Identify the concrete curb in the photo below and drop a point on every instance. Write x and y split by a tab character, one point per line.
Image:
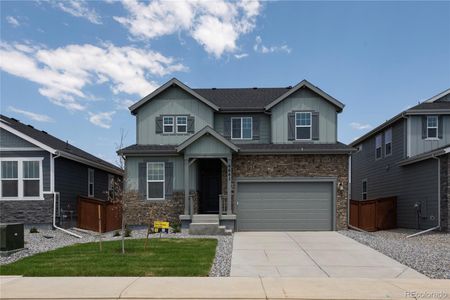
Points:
220	288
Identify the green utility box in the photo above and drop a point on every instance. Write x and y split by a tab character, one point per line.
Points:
11	237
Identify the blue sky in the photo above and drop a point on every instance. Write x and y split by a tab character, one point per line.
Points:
71	68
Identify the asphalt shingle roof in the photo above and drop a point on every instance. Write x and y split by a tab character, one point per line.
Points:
53	142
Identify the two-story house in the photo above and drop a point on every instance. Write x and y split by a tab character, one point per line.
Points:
408	157
247	158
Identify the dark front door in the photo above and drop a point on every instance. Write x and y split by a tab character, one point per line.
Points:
210	185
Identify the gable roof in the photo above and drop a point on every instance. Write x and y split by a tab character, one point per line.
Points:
305	83
54	145
434	105
206	130
168	84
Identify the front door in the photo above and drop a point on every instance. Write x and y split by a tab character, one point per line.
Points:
210	178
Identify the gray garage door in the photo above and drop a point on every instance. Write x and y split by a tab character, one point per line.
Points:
279	206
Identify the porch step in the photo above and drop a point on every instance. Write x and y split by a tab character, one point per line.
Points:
205	219
204	229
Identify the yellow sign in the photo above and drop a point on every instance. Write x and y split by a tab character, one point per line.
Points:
161	225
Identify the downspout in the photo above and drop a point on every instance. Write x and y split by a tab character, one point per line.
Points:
54	199
439	203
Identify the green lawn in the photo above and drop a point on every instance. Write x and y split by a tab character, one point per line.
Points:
163	257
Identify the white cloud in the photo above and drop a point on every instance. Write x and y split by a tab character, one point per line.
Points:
102	119
12	21
260	48
31	115
241	55
124	104
63	73
359	126
216	25
80	9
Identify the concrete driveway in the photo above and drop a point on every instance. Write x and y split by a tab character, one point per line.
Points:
310	254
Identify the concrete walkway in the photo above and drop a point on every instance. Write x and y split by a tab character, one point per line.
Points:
220	288
311	254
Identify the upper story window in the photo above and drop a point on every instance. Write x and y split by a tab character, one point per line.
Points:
168	124
432	127
21	178
156	181
303	126
182	124
388	142
364	190
378	150
241	128
91	175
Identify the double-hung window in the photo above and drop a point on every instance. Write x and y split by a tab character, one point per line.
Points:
155	181
303	126
91	176
241	128
181	124
432	127
388	142
168	124
21	178
378	149
364	190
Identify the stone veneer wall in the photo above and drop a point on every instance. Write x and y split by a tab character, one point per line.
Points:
27	211
335	165
139	211
445	192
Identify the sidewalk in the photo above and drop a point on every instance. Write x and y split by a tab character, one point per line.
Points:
219	288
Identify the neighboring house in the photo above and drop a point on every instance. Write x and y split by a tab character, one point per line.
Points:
257	158
39	170
408	157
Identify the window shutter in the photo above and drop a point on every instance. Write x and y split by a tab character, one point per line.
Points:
227	127
169	178
424	127
142	180
315	125
158	125
440	127
191	125
291	126
255	121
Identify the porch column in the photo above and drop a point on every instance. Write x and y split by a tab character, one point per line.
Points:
229	172
186	186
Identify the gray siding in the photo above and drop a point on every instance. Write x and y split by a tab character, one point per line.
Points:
9	140
207	145
264	126
173	101
132	171
411	184
417	145
306	100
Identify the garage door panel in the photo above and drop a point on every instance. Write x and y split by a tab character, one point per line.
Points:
285	206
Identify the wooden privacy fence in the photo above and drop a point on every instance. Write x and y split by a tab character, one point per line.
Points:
375	214
98	215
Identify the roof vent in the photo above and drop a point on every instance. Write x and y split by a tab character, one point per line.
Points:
67	144
30	126
255	88
15	120
43	131
214	89
289	87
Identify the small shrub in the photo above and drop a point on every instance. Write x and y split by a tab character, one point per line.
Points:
176	228
127	232
34	230
116	233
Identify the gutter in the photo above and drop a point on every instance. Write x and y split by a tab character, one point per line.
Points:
438	202
54	199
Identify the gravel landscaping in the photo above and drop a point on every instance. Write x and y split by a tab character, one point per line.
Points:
428	253
47	240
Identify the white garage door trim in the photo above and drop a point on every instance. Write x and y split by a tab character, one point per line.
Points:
332	180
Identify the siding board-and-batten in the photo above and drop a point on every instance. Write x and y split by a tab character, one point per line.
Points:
417	144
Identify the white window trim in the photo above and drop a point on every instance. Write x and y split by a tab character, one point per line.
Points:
385	143
242	128
163	180
433	127
301	126
381	146
20	178
176	118
93	182
362	190
173	124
